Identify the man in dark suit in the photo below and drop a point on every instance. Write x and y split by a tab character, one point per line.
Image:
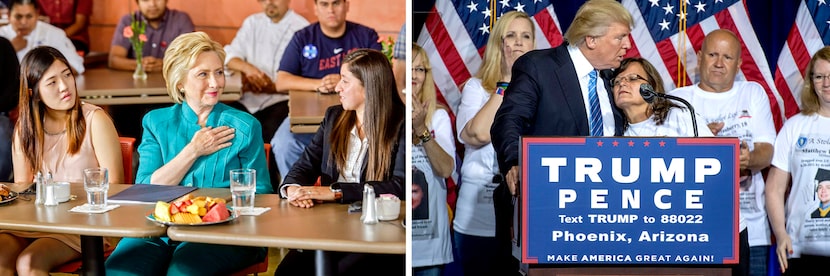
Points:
560	92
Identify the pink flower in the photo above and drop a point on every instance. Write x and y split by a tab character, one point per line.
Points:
128	32
142	37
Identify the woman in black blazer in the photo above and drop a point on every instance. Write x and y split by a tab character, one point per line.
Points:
361	141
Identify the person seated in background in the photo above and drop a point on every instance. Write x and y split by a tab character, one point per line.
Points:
360	142
195	142
312	63
256	52
25	33
55	133
162	26
72	16
9	94
661	117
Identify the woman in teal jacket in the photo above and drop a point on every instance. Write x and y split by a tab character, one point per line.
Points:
193	143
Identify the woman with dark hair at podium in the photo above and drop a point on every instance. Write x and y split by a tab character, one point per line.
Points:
661	117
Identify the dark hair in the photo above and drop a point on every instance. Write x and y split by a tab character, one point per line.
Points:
382	117
660	107
22	3
29	126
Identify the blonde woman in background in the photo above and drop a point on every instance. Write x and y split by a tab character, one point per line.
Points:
475	218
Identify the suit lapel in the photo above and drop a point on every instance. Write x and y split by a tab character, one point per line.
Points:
568	82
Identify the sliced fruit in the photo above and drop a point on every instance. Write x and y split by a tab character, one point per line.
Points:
186	218
161	212
199	202
193	209
219	212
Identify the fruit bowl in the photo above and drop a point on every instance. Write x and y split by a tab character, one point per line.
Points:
188	210
152	218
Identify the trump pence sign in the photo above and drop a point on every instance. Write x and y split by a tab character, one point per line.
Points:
626	200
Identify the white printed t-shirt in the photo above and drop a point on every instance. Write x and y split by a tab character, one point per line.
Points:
745	112
431	242
474	213
802	147
678	123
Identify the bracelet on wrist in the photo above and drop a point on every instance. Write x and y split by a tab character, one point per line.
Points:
501	87
426	136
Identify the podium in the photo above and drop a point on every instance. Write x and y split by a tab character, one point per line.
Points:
629	205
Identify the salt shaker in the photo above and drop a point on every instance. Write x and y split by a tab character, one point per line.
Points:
370	214
39	189
50	197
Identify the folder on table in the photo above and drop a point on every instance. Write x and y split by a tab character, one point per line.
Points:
149	193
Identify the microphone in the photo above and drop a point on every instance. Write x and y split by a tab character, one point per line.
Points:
647	91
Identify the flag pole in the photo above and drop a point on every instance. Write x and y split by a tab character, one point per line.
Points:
681	42
492	14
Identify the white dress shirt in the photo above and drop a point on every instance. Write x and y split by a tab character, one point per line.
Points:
261	43
47	35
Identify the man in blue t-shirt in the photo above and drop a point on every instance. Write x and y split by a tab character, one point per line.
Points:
311	62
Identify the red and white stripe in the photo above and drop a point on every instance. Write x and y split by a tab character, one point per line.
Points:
803	41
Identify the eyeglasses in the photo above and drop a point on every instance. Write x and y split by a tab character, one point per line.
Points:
419	70
820	78
627	78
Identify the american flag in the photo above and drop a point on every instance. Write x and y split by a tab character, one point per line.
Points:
456	31
656	37
810	32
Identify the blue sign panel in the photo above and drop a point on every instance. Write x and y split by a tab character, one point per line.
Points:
627	200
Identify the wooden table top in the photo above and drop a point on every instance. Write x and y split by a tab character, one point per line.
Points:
125	221
326	226
104	86
306	109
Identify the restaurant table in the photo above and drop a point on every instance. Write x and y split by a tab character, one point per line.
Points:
322	228
104	86
125	221
306	109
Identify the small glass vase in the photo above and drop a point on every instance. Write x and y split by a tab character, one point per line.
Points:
139	73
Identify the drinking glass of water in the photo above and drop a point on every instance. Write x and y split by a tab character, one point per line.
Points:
96	184
243	186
